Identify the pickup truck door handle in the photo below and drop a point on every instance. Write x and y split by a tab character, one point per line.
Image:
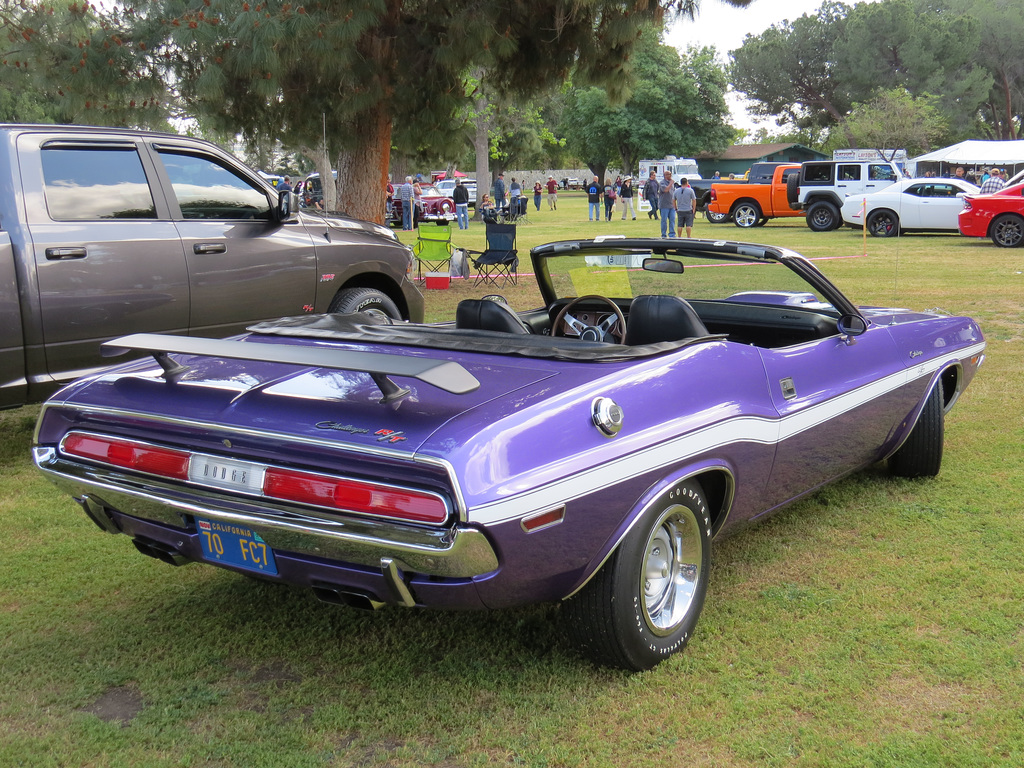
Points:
209	248
58	254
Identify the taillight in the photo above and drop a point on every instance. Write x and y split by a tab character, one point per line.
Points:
353	496
714	194
327	491
128	454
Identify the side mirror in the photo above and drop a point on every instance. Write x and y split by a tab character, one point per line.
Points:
287	206
851	326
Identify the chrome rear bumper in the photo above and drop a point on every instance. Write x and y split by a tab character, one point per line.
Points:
455	552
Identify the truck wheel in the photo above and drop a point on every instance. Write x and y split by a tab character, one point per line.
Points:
716	218
1008	230
643	605
792	188
746	214
366	300
883	223
823	216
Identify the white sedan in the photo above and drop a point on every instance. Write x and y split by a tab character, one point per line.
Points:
910	205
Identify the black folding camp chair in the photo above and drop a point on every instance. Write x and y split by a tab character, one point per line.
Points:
500	260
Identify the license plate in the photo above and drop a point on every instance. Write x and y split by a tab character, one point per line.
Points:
236	545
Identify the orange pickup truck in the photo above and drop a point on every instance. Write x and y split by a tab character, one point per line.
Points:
752	204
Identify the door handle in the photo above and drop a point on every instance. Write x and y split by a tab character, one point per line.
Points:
58	254
209	248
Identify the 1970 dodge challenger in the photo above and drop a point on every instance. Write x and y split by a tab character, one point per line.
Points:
586	451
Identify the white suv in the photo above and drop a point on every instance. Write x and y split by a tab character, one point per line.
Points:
822	187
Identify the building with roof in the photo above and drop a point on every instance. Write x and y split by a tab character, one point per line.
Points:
738	158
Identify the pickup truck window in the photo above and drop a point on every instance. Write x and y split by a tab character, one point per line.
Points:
93	183
206	190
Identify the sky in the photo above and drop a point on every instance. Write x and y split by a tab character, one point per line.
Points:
724	27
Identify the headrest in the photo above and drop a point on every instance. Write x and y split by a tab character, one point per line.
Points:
662	318
487	315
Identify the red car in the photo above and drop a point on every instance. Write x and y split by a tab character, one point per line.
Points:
437	206
999	216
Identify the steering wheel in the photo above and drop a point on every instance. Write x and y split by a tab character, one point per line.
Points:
605	331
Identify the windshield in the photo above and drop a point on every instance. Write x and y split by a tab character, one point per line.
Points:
622	275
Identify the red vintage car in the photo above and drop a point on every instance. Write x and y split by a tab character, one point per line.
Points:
999	216
437	206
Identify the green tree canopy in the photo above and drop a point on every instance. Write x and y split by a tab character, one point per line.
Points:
906	44
1000	30
344	79
379	72
789	70
894	119
808	73
69	64
676	106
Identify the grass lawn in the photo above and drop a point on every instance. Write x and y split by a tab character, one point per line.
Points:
879	622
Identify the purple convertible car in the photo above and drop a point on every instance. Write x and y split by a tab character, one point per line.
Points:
587	451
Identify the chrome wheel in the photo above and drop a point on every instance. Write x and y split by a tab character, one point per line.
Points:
746	215
643	604
672	569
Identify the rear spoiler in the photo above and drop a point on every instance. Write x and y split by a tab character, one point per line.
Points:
443	374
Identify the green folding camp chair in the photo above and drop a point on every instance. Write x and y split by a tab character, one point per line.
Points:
433	249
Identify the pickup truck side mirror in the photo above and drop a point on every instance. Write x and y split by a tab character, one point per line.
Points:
287	206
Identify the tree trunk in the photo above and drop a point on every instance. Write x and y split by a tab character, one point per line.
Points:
322	160
363	168
598	170
482	147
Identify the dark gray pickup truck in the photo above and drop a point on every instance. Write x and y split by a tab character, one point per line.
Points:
107	231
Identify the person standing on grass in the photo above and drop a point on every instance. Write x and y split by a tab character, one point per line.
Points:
460	196
651	195
626	196
538	190
417	198
685	200
594	200
666	205
609	199
499	191
405	194
552	194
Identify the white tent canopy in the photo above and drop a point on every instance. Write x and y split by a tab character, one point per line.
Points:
975	154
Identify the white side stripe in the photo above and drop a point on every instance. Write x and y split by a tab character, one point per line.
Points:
741	429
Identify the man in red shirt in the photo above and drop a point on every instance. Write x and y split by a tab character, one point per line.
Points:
552	194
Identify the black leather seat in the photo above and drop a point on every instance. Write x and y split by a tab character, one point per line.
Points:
662	318
487	315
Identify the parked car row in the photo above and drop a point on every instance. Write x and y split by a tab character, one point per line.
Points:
873	195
